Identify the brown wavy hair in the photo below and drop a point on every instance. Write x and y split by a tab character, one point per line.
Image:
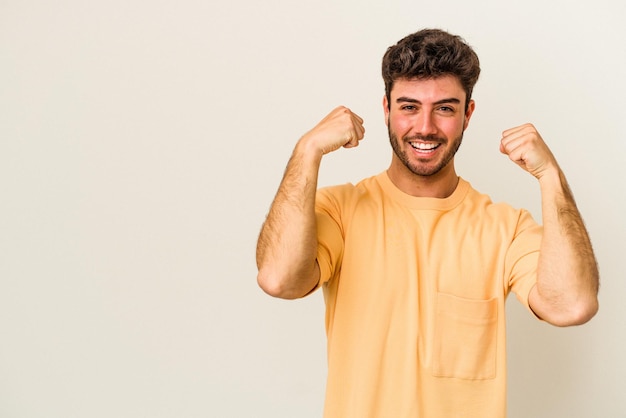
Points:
431	53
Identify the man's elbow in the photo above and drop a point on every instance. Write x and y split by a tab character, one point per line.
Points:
586	311
579	314
277	286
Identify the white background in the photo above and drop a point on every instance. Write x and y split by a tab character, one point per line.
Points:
141	143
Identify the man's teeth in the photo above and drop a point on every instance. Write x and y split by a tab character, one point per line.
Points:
423	146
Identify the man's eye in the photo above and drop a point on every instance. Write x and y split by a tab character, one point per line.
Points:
408	107
446	109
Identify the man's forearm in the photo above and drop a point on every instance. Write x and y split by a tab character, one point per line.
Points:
567	274
287	245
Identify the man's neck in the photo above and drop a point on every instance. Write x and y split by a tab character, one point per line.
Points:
440	185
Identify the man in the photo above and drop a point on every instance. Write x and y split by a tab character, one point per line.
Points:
414	263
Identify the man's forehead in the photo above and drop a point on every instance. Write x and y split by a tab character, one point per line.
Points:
447	86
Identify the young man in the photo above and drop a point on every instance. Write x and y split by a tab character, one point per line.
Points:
415	264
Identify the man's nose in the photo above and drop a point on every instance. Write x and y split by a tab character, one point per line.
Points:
425	124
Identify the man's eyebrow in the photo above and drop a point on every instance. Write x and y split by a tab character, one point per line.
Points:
405	99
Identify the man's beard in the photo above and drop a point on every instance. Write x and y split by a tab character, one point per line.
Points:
419	169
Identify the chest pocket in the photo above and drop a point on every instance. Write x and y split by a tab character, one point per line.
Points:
465	338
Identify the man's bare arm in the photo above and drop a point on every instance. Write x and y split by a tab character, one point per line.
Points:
567	274
287	246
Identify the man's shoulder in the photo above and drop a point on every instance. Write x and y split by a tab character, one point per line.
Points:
488	208
362	186
350	194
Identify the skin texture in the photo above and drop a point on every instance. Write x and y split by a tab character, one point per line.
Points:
287	245
429	114
567	274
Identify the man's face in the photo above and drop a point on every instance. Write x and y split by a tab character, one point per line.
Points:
426	120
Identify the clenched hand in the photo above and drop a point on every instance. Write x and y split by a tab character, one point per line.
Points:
340	128
526	148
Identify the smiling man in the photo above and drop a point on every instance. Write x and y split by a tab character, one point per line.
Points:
415	264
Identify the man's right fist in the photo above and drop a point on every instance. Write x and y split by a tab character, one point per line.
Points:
340	128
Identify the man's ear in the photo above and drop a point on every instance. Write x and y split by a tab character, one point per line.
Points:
468	113
386	109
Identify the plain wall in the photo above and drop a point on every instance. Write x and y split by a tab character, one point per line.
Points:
141	143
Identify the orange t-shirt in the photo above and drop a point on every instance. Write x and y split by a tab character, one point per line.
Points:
415	291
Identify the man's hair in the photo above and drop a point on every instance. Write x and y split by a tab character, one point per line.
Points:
431	53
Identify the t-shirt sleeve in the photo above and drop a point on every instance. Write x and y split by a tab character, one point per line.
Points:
522	258
330	235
